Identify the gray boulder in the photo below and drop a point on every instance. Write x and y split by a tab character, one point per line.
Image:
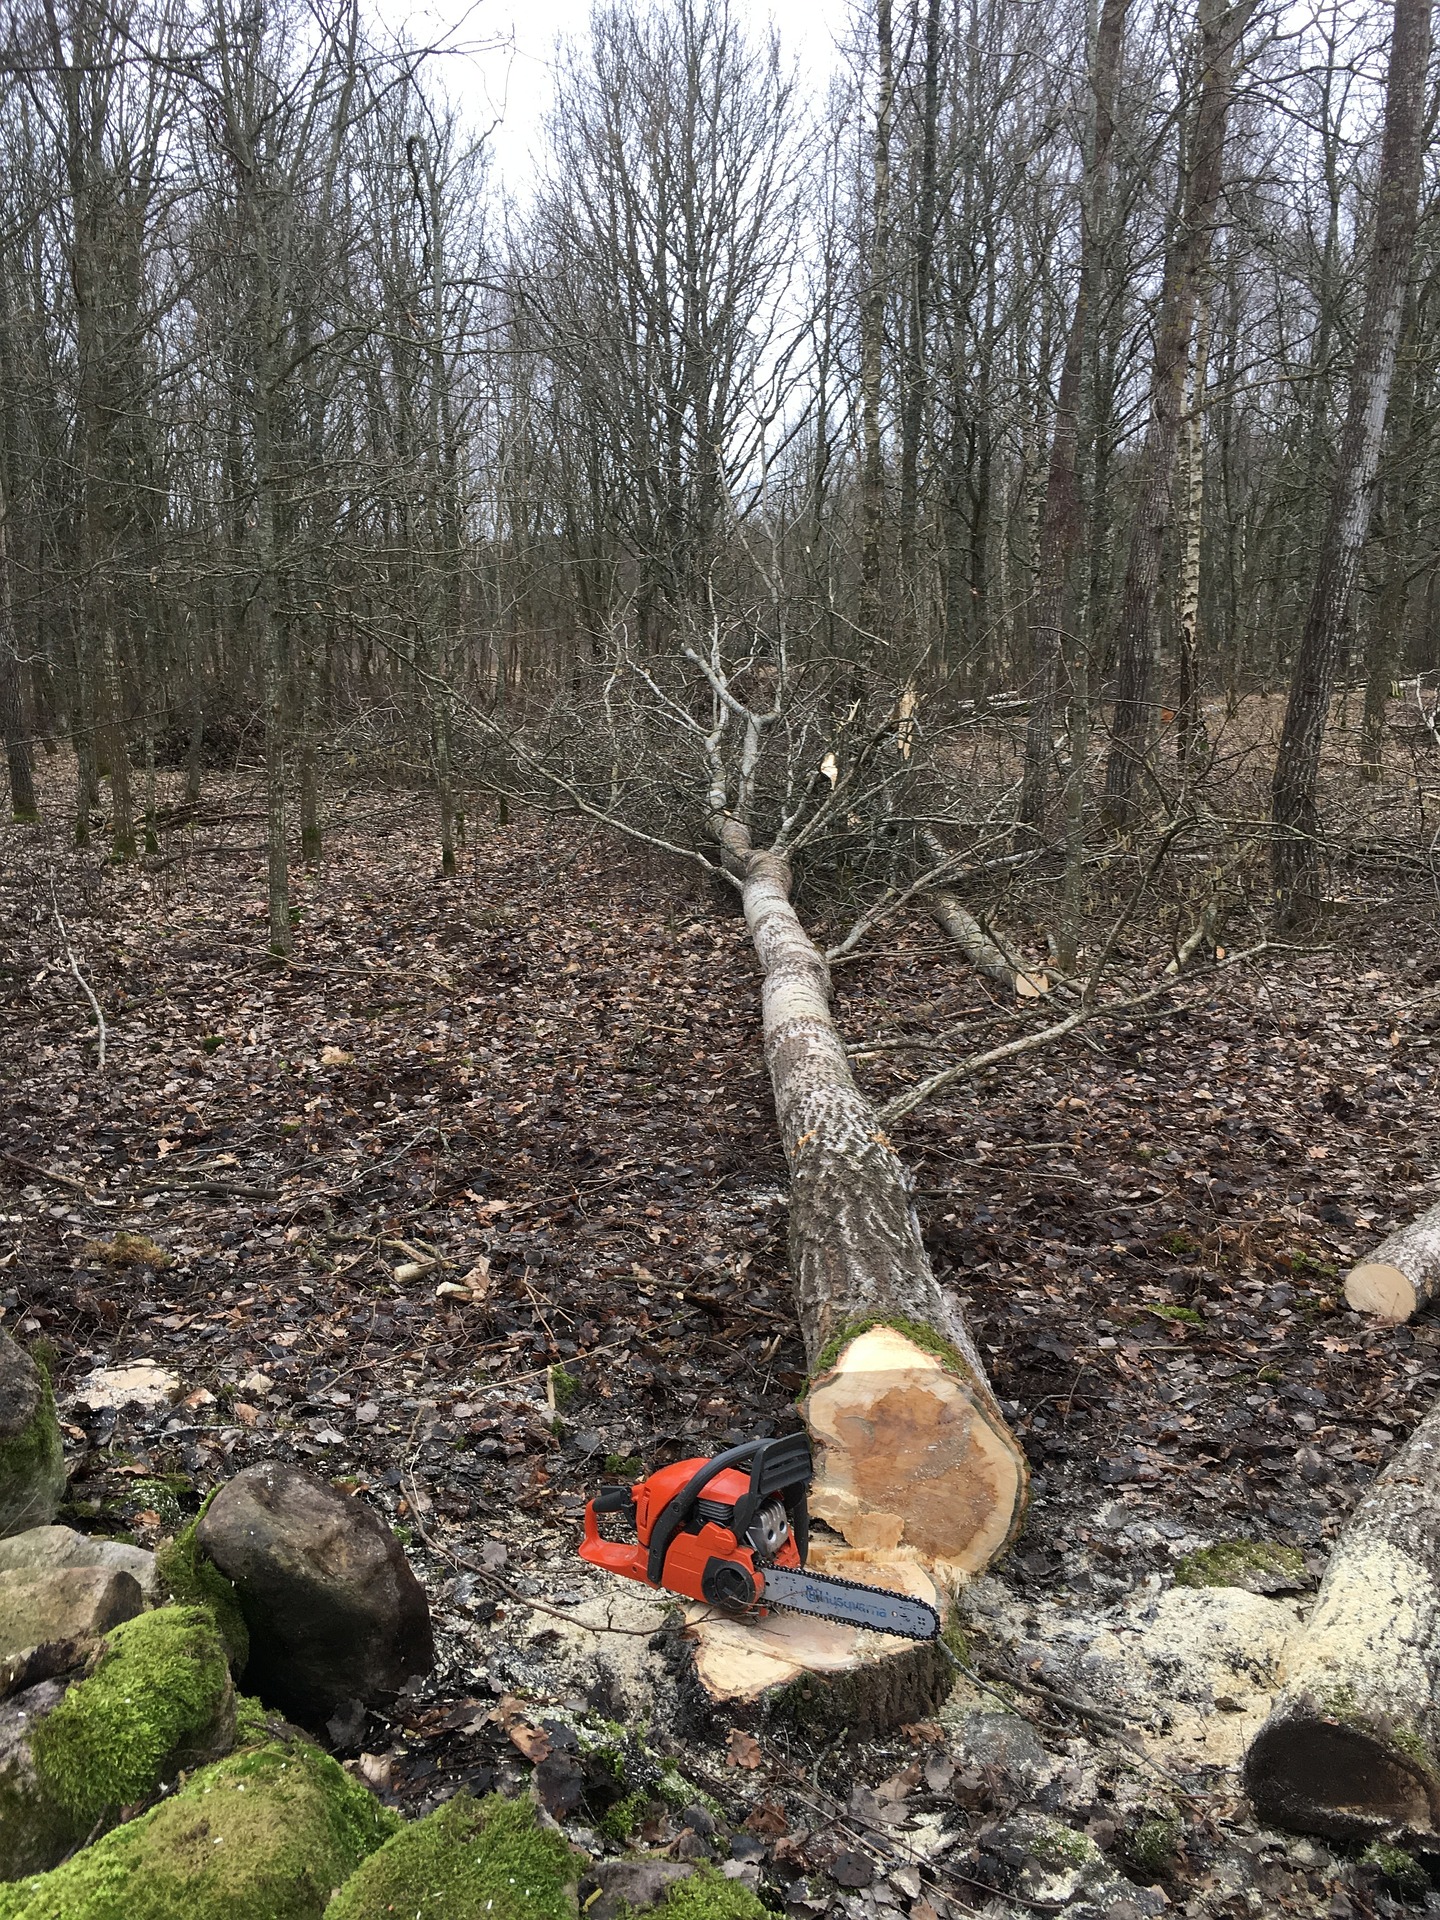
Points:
334	1612
32	1462
63	1604
44	1548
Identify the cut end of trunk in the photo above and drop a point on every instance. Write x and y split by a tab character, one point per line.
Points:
911	1455
819	1675
1378	1288
1317	1775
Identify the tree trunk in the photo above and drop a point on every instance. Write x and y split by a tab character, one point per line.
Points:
872	339
916	357
914	1464
984	953
1059	537
1350	1747
12	711
912	1449
1402	1274
1189	716
1221	28
1296	868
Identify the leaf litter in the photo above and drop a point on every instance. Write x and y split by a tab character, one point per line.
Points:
477	1204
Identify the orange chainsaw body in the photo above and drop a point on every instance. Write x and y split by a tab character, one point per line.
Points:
694	1523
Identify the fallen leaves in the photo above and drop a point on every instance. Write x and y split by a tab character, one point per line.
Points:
742	1749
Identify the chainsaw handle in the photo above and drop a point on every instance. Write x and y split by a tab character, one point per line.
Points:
614	1500
677	1511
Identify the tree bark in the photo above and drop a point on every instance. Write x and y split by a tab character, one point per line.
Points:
1402	1274
1295	864
1221	28
872	337
912	1450
1059	538
1351	1748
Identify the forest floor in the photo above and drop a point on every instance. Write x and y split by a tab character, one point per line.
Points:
543	1079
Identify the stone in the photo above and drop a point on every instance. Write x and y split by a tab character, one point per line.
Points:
47	1547
334	1612
469	1860
614	1887
274	1830
63	1603
112	1389
32	1461
156	1700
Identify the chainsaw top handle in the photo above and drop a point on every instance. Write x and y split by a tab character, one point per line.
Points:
777	1465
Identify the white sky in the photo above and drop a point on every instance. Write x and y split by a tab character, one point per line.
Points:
510	83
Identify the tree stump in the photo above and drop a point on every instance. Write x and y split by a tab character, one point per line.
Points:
1402	1274
818	1677
1352	1744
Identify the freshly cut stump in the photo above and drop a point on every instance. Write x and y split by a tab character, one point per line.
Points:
1403	1273
816	1675
908	1455
1352	1745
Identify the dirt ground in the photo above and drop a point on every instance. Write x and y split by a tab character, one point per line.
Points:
542	1081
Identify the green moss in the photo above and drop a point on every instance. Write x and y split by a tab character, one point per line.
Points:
1179	1244
1230	1563
32	1463
129	1250
708	1895
1064	1847
160	1497
564	1388
189	1577
470	1860
1151	1846
618	1823
158	1700
1402	1870
625	1464
915	1331
268	1834
1187	1315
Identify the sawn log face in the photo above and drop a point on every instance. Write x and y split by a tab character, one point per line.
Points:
1352	1744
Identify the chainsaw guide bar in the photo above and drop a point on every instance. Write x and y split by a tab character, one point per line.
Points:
827	1597
734	1532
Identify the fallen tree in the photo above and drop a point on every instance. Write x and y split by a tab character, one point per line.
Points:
1351	1747
1402	1274
982	949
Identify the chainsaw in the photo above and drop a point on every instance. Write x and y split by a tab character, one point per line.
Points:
734	1532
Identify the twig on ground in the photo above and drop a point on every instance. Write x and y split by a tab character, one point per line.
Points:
83	983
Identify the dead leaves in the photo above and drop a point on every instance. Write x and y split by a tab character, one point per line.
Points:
742	1749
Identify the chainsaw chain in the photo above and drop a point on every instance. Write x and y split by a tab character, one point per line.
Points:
842	1619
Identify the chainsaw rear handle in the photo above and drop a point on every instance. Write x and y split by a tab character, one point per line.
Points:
788	1461
614	1500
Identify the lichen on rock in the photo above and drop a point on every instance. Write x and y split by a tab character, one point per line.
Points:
269	1833
157	1700
470	1860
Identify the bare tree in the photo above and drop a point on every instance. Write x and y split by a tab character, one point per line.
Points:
1296	866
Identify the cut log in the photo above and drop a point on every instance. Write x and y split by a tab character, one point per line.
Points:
1351	1747
912	1449
985	953
816	1676
1402	1274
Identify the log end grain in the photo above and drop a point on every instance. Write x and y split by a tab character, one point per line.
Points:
1315	1772
1377	1288
909	1453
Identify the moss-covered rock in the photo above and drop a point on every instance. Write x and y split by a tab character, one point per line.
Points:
471	1860
1259	1566
158	1700
708	1895
32	1461
268	1834
187	1575
35	1832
